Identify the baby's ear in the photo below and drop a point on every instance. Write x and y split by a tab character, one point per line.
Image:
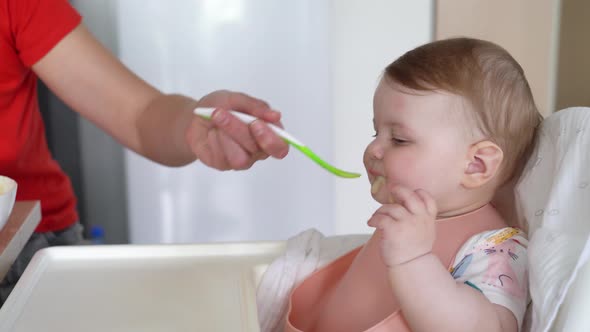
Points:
483	163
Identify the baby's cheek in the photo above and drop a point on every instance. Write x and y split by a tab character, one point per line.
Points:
407	173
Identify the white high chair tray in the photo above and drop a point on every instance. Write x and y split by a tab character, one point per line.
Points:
205	287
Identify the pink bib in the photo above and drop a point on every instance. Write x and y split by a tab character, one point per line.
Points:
352	294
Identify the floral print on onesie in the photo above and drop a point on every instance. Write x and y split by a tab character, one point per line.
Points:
495	263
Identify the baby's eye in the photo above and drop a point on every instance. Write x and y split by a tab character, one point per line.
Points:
398	141
375	134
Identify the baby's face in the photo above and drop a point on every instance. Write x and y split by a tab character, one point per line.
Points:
421	142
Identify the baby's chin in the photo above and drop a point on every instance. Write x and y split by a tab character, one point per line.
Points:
381	199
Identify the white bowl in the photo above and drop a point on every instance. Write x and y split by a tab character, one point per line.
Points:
7	197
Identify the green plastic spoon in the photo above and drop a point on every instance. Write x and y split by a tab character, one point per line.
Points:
206	112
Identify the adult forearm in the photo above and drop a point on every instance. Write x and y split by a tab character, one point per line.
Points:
161	130
431	300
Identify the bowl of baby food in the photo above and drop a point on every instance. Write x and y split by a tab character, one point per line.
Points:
7	197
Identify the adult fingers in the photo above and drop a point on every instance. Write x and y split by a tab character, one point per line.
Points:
269	142
235	155
234	128
247	104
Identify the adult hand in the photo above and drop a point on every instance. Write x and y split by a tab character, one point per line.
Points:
406	225
225	142
158	126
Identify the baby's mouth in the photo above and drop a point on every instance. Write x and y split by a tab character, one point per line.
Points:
377	184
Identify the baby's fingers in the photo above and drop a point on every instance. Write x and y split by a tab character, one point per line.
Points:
386	214
428	201
379	220
375	222
408	199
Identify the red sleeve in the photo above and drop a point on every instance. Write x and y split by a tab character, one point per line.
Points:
38	25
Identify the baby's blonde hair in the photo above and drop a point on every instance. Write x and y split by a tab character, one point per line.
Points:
489	79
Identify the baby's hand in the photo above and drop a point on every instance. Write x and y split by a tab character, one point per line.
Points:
406	225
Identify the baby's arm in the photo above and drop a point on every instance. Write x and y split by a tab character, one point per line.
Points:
431	300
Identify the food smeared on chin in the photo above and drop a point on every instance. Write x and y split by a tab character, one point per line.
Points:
377	184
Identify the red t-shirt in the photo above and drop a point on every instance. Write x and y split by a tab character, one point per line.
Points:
29	29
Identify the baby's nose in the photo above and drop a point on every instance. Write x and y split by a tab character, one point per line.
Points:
375	150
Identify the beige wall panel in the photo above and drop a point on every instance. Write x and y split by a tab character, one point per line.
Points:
526	28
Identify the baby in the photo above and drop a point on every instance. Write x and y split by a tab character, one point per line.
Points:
454	120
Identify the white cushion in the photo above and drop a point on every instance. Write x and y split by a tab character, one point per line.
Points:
553	195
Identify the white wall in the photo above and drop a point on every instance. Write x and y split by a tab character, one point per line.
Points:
366	37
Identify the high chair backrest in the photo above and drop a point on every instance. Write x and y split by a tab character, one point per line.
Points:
553	196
